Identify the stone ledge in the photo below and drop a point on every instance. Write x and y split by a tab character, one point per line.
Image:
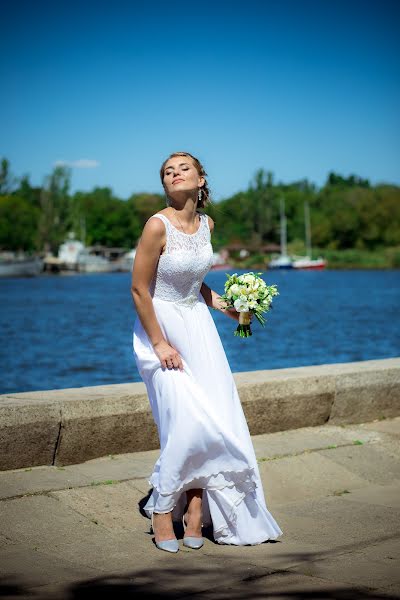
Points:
70	426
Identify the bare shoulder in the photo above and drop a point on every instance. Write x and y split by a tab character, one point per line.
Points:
210	223
155	225
153	229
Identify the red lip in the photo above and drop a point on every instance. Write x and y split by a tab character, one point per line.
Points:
177	181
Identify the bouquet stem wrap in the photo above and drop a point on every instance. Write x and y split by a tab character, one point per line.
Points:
244	329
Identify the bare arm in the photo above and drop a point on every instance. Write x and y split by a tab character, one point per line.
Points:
212	298
147	255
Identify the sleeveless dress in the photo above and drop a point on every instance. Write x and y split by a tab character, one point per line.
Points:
204	437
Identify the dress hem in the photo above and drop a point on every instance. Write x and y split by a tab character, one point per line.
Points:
204	480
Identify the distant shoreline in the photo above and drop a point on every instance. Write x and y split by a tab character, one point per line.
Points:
349	259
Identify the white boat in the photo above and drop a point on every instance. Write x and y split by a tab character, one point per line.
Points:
20	265
283	261
75	256
69	251
91	263
306	262
220	261
125	262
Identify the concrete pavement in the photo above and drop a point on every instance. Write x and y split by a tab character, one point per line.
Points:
79	531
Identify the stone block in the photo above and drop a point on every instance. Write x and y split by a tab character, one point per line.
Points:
286	403
364	395
28	432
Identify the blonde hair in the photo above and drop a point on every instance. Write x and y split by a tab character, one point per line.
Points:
205	192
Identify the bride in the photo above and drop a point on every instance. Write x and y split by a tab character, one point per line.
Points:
207	472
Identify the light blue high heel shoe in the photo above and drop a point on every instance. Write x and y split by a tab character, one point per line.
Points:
167	545
190	541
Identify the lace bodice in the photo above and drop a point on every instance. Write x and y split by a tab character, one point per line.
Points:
184	263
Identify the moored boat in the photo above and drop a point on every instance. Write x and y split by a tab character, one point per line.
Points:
220	261
91	263
20	265
125	262
283	261
305	262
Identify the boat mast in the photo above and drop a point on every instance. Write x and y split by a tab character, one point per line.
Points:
308	228
283	227
83	229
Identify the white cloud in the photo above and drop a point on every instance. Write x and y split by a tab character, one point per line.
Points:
82	163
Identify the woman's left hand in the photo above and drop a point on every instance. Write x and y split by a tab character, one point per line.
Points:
232	313
229	312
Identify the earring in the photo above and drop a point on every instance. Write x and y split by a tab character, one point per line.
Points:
199	196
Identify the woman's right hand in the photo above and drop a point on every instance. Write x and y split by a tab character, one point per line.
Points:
168	356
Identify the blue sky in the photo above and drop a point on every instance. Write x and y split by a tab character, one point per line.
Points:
299	88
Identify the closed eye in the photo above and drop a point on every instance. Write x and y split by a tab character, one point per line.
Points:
170	172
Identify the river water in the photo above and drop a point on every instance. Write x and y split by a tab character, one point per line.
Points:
76	330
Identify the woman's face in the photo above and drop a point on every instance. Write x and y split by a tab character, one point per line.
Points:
180	175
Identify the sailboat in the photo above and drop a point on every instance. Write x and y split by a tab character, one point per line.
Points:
306	262
283	261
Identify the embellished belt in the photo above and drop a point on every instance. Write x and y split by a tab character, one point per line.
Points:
191	300
188	301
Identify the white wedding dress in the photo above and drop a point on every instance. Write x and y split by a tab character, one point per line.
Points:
204	437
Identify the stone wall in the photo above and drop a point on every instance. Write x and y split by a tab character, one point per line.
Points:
69	426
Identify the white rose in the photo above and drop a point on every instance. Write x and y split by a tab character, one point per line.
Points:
241	305
249	279
235	289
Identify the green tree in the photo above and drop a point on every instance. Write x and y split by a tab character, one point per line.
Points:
7	181
352	181
145	205
27	192
18	224
109	220
56	215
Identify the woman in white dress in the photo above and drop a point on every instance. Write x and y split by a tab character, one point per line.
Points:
207	465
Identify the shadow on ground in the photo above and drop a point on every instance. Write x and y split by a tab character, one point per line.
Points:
242	581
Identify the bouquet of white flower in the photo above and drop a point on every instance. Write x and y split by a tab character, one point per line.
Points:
248	294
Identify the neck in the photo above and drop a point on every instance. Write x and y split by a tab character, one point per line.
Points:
186	214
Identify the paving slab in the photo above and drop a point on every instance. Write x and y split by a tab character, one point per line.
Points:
32	480
371	462
335	522
306	476
114	507
389	426
383	495
371	566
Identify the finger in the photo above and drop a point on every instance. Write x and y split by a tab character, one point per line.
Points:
180	364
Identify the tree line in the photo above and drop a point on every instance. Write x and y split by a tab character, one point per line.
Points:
346	212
